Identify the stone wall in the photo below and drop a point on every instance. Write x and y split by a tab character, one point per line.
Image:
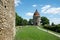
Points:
36	20
7	20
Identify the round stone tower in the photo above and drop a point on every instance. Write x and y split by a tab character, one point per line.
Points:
36	18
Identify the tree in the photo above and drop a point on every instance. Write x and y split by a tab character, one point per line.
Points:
44	20
18	20
30	22
52	24
24	22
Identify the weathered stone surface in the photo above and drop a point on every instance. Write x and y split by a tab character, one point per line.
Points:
7	20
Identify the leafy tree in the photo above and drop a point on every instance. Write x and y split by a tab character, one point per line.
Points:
52	24
30	22
20	21
44	20
24	22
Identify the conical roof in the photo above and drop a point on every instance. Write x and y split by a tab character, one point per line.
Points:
36	13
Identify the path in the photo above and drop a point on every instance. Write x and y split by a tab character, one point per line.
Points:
49	32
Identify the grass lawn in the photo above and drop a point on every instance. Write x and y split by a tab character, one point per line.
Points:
32	33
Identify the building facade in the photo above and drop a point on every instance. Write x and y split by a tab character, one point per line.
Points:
7	20
36	18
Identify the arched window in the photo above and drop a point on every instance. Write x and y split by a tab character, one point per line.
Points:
36	23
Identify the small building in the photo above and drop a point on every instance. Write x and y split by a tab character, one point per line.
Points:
36	18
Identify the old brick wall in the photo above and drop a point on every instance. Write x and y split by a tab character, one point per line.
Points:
7	20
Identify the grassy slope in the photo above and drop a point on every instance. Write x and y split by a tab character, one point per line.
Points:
32	33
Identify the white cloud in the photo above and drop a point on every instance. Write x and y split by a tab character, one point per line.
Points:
34	5
29	14
50	9
27	19
46	7
17	2
54	20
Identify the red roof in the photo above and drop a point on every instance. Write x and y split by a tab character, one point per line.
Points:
36	13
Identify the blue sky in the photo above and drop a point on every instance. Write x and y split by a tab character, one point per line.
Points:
47	8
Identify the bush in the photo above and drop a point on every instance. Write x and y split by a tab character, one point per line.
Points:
55	28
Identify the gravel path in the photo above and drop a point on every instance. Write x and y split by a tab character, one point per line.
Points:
49	32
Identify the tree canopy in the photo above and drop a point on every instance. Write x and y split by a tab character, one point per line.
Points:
20	20
30	22
44	20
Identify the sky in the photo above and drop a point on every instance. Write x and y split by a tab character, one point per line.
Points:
47	8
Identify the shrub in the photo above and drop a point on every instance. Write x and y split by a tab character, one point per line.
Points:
55	28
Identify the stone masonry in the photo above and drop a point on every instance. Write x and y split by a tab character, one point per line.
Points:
36	19
7	20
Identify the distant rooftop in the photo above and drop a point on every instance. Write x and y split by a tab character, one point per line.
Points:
36	13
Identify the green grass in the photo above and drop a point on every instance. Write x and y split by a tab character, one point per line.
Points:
32	33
